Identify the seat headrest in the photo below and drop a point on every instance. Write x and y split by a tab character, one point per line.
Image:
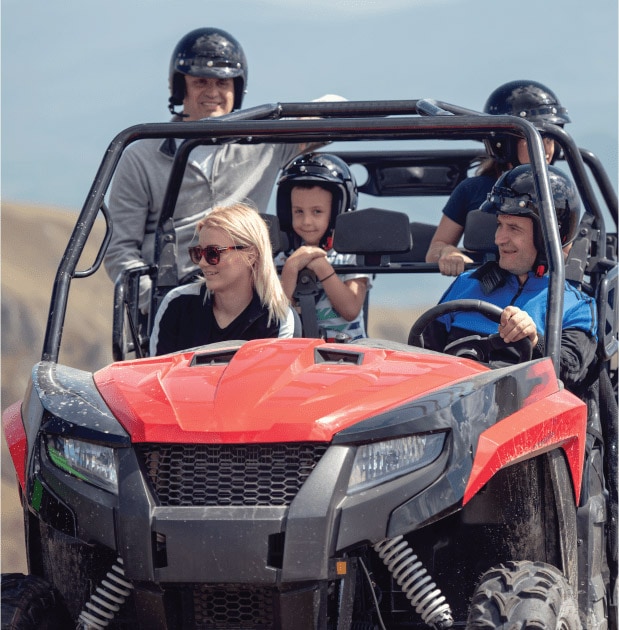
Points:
479	232
372	231
421	234
279	239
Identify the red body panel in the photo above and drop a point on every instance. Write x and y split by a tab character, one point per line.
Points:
16	440
273	391
557	421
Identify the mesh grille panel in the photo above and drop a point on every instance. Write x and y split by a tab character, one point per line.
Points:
231	606
228	475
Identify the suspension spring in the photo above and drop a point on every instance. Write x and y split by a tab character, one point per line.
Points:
107	599
415	582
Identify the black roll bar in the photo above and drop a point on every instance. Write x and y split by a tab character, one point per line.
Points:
603	181
328	128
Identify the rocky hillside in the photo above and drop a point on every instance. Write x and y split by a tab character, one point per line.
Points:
33	242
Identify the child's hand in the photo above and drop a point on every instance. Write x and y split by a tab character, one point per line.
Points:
304	256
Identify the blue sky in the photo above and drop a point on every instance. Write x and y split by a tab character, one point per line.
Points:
76	72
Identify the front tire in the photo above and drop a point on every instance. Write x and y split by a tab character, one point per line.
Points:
30	603
524	595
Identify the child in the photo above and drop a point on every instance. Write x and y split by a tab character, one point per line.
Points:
312	191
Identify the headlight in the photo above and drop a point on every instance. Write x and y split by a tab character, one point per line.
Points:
93	463
381	461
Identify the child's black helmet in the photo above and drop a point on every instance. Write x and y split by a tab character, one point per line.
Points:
207	52
318	169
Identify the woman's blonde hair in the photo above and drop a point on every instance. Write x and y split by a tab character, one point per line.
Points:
245	226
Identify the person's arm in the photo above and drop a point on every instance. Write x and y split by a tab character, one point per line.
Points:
128	205
578	352
346	297
306	147
286	327
298	260
443	248
578	348
517	324
163	337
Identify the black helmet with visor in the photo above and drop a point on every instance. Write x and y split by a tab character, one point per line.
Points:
514	194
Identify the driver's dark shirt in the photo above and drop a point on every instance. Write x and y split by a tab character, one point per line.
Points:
468	195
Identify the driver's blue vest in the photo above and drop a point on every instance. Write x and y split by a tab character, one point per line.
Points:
579	310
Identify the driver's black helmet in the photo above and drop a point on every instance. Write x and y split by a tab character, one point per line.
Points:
529	100
514	193
207	52
318	169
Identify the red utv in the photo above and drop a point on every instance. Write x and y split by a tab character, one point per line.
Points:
306	484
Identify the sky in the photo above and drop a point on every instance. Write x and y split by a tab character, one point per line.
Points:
76	72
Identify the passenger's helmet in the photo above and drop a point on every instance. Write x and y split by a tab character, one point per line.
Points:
207	52
320	169
514	193
529	100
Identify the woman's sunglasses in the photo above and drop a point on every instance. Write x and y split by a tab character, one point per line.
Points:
211	253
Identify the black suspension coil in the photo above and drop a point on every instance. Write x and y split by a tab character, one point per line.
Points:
415	582
107	599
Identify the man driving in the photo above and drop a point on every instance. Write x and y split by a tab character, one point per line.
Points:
518	282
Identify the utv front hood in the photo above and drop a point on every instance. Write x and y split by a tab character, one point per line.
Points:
271	390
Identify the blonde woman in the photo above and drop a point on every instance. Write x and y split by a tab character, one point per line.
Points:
240	296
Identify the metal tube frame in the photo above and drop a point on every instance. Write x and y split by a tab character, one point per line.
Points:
382	120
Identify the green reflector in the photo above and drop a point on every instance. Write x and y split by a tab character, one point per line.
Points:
37	495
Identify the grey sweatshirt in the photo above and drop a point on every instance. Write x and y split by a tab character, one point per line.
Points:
237	173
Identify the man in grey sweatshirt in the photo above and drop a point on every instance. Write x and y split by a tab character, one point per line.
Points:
208	77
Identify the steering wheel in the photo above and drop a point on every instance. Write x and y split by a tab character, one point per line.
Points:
485	348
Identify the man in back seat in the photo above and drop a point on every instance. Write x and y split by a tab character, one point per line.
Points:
207	79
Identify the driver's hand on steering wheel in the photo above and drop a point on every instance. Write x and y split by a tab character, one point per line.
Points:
517	324
452	260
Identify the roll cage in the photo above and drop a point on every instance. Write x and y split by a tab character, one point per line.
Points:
390	173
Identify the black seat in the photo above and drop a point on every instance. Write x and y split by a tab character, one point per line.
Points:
479	232
421	234
279	239
372	233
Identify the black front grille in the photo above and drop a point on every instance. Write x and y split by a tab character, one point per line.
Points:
228	475
230	606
